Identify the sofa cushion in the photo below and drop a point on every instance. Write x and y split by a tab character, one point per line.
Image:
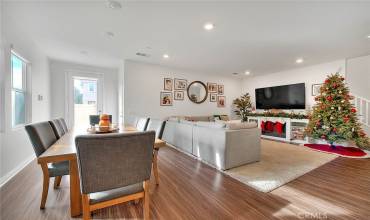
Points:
210	124
240	125
198	118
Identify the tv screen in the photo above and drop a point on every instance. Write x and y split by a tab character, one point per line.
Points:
281	97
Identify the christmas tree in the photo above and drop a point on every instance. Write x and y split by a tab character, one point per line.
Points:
334	117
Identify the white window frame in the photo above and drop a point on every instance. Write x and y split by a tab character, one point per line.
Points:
24	90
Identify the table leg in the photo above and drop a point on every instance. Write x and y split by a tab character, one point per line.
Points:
75	193
155	166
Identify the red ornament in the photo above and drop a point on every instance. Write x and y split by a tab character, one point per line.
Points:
361	134
318	123
329	98
334	130
335	85
346	119
327	81
323	136
353	110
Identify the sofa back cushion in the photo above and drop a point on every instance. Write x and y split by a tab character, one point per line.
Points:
240	125
198	118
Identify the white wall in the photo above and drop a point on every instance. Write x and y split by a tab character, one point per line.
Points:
309	75
58	71
16	149
358	76
144	82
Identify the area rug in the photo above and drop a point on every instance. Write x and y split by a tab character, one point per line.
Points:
280	163
350	152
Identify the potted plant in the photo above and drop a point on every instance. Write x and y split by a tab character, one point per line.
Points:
243	106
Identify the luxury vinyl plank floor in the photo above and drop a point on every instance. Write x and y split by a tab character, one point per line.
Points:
190	189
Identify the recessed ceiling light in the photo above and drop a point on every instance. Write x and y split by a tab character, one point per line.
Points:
208	26
166	56
299	60
114	4
368	36
247	73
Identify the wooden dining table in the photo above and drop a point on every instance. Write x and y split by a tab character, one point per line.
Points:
64	149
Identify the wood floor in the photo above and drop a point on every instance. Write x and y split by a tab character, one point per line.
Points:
191	190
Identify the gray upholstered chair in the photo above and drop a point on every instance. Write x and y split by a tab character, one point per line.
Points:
142	124
94	119
42	137
158	127
64	124
57	128
114	168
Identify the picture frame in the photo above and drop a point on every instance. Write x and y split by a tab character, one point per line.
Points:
212	97
167	84
181	84
316	89
221	101
212	87
179	95
220	89
166	99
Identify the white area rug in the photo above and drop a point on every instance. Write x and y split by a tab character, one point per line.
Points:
280	163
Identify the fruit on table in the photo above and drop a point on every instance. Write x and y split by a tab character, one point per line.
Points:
104	120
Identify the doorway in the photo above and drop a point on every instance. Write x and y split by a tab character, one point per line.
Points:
85	98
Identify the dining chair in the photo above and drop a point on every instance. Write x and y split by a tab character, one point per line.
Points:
94	119
57	128
42	137
114	168
158	127
64	124
142	124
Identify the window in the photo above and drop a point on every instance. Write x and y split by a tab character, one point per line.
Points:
19	92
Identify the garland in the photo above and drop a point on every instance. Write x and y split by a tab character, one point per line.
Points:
280	115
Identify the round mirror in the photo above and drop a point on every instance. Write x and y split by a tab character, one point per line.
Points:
197	92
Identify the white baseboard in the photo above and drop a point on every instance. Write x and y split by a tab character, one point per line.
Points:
15	171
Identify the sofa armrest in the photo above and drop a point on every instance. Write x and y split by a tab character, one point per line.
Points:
242	146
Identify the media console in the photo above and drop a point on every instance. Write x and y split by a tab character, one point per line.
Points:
282	129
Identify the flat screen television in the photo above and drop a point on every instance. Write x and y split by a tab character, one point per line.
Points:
281	97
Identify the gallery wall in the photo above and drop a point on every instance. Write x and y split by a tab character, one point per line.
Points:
144	82
310	75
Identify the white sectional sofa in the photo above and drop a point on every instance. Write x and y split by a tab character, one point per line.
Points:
222	145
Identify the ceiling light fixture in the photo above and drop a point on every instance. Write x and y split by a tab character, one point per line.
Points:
247	73
166	56
368	36
209	26
114	4
299	60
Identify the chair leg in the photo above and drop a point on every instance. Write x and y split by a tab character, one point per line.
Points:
146	209
57	181
155	166
45	185
86	207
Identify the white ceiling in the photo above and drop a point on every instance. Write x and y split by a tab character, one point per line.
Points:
262	37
